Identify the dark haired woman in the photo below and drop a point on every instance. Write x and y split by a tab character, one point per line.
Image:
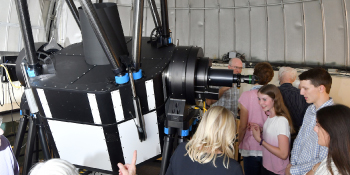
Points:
276	131
251	112
333	131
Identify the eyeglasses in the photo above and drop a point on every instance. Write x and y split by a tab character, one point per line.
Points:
235	67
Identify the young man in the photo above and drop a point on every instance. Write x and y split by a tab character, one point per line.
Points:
315	86
228	96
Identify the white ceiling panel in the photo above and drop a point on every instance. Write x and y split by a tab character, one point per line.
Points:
347	8
126	19
313	33
258	34
275	49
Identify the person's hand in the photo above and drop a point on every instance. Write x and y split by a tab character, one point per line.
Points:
128	169
256	131
287	171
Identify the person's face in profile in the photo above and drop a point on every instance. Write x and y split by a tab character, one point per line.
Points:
309	91
323	136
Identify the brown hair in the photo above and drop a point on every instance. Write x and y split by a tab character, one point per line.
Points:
264	72
318	76
335	120
280	109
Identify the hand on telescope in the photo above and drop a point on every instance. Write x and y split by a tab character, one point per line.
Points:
128	169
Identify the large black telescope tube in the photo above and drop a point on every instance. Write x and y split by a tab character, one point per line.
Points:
26	30
101	35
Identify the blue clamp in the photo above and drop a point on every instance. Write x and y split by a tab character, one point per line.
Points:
195	121
30	72
137	75
191	128
122	80
20	112
185	133
169	40
166	130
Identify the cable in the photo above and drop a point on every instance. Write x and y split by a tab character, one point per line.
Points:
3	95
8	88
14	97
8	76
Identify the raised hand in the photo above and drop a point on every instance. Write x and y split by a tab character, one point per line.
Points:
128	169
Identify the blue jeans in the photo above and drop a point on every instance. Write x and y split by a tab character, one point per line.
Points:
252	165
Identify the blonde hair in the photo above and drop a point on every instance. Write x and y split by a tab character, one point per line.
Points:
214	137
54	167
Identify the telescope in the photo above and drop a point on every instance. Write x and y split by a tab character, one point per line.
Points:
93	103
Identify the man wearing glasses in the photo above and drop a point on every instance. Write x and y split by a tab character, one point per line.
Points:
228	96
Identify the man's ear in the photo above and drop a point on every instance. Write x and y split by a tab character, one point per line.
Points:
322	88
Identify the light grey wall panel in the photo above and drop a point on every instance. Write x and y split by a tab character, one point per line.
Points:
211	48
14	42
3	41
242	2
293	33
347	9
226	31
313	33
126	19
4	9
211	3
226	3
172	18
13	13
197	36
34	7
258	25
257	2
182	27
275	34
243	31
335	32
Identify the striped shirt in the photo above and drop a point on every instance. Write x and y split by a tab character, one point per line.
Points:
229	100
306	151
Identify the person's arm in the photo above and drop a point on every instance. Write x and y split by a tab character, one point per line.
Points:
243	123
306	167
313	170
282	151
222	90
210	101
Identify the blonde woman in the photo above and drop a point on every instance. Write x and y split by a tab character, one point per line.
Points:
210	151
